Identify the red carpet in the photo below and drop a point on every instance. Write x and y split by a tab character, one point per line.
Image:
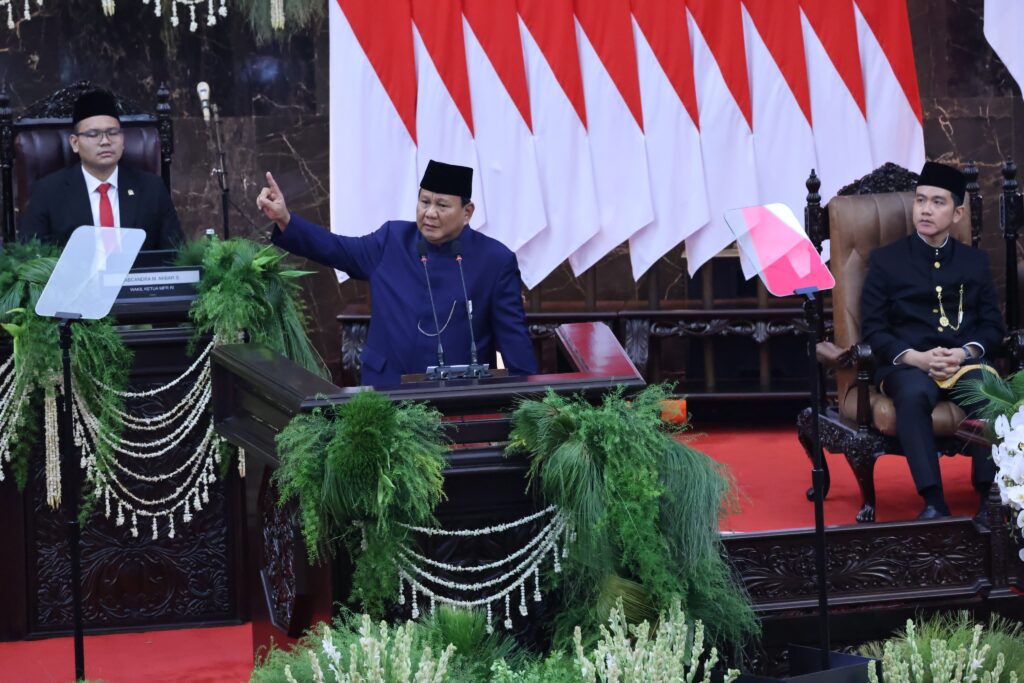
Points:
199	655
772	473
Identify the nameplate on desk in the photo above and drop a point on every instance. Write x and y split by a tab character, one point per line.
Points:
151	283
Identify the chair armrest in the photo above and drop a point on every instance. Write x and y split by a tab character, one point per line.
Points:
857	356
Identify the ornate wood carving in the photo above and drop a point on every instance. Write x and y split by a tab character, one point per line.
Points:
6	165
165	129
888	177
353	339
974	204
638	342
278	557
60	104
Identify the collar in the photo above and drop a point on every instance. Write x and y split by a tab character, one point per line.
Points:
925	250
464	236
92	182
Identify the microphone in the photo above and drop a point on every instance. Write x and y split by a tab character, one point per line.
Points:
203	88
421	247
457	250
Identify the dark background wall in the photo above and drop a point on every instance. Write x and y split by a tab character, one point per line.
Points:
273	99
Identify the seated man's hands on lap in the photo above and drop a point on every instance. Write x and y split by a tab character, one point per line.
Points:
940	363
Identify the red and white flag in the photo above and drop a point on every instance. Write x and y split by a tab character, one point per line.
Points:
895	122
444	113
615	122
1004	27
780	101
559	112
723	99
373	114
671	131
837	93
501	106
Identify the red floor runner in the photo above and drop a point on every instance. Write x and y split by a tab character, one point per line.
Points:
773	472
769	466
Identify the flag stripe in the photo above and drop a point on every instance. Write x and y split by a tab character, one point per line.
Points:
496	26
440	26
721	24
664	25
778	23
834	24
553	28
384	31
891	25
609	28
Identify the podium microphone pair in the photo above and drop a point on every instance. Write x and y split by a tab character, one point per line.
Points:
441	371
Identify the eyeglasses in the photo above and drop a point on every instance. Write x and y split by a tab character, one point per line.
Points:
111	134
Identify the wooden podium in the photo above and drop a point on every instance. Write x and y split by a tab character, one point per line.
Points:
256	392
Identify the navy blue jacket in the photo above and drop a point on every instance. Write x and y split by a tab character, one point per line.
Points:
399	340
900	307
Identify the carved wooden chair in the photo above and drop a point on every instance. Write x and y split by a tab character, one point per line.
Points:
861	424
34	143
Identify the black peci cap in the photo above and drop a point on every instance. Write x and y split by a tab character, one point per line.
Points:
448	179
940	175
95	103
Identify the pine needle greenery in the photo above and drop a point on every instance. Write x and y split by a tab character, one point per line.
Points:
360	472
644	509
246	288
98	356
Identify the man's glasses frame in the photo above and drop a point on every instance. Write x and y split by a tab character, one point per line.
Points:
94	134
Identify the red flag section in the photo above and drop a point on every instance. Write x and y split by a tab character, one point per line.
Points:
496	26
663	23
778	22
551	24
891	25
834	24
609	27
440	26
384	31
721	24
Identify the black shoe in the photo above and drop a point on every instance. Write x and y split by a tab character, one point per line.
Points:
981	516
933	512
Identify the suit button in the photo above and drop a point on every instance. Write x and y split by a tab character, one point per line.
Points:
935	310
939	328
938	265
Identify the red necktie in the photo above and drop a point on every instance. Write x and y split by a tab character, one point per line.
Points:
106	210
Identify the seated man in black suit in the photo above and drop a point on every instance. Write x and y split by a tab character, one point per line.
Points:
930	313
100	190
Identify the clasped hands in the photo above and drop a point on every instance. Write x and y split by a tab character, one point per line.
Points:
940	363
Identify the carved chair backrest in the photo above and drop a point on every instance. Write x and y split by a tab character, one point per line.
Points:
858	225
36	144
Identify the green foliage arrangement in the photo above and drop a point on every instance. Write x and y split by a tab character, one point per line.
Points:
352	649
994	395
950	648
359	473
298	16
644	508
245	287
98	357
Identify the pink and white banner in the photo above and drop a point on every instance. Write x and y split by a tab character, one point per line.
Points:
591	124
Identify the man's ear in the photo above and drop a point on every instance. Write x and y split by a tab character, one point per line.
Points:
73	141
958	213
468	210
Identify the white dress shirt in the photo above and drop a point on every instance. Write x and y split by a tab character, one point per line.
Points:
91	183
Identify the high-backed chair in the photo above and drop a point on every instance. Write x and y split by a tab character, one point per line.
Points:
34	143
862	423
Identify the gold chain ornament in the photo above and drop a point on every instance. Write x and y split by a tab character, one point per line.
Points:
943	318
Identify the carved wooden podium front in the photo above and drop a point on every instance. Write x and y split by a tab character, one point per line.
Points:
256	392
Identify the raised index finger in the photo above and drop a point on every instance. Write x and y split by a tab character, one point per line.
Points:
272	183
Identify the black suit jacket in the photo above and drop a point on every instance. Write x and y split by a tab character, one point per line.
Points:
60	203
900	305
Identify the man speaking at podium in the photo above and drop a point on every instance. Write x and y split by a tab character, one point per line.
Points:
100	190
416	271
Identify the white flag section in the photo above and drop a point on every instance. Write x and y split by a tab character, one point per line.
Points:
673	161
895	131
1004	30
441	130
373	155
727	149
841	140
508	165
564	163
783	141
620	160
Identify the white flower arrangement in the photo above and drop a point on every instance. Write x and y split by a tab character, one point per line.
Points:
1008	455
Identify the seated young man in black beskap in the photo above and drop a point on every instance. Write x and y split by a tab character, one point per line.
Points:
930	313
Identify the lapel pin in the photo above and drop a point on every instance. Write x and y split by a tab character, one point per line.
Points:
131	193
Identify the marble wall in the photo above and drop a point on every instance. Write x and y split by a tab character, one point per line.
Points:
273	99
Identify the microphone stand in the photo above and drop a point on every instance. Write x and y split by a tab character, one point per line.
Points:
221	170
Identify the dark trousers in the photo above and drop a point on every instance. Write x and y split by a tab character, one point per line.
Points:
915	395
